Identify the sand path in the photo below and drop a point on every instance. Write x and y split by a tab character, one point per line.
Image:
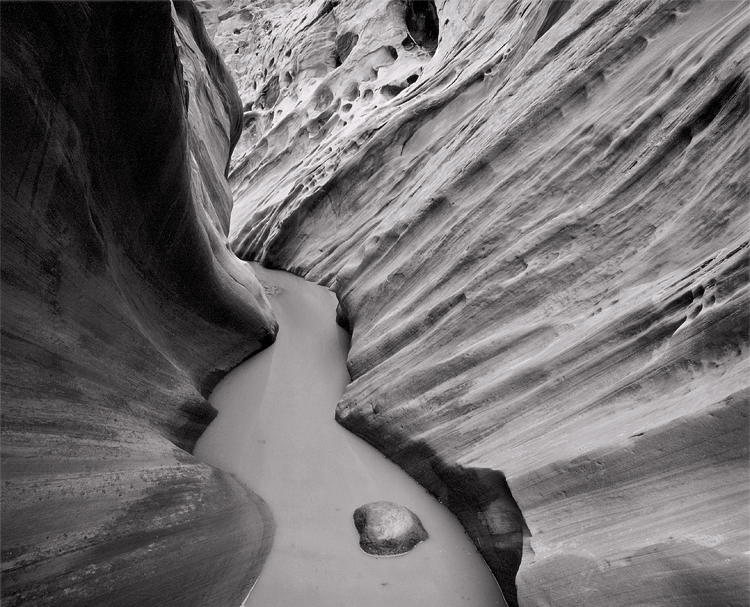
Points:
276	432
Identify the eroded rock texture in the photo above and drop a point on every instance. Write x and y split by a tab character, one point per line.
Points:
121	305
538	233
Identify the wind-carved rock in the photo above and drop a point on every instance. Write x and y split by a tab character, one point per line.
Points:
122	307
387	529
538	235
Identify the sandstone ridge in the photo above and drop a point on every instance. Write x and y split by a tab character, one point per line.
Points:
122	306
537	229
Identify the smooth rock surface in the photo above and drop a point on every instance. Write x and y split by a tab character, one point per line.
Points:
538	233
387	529
121	307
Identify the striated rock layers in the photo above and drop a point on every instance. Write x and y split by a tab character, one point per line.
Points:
535	216
121	307
387	529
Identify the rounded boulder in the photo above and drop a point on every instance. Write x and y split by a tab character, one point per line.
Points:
387	529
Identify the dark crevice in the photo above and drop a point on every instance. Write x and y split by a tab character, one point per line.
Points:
326	10
423	24
554	13
345	43
218	72
389	91
481	500
713	107
484	504
269	95
197	415
342	320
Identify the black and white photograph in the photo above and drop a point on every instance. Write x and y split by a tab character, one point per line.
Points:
375	303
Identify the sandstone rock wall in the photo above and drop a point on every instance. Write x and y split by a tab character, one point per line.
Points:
121	307
537	228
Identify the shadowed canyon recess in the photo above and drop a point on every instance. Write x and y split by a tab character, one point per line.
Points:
534	214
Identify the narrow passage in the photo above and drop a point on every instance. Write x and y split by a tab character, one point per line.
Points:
276	432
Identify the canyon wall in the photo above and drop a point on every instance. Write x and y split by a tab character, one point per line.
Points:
122	306
535	215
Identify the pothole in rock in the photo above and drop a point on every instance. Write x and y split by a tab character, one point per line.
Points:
421	19
344	45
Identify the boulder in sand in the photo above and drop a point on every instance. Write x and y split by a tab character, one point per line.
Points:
387	529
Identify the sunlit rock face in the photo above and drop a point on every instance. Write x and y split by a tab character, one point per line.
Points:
537	227
121	306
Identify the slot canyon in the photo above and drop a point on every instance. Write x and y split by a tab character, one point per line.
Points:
533	213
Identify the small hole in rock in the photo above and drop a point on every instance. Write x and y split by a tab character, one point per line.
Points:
389	91
412	79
